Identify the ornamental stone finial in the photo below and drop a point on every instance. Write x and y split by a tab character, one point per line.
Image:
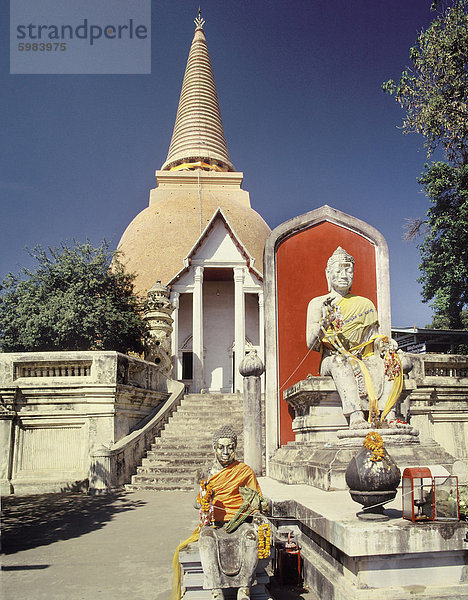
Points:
251	365
199	22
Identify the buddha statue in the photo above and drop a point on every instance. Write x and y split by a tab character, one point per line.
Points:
230	505
364	365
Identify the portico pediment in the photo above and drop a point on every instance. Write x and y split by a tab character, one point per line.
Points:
217	247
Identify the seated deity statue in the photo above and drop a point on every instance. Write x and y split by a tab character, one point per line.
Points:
231	523
364	365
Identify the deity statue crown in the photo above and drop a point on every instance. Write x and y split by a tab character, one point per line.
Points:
340	255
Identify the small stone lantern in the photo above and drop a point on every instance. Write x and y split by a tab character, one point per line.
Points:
157	313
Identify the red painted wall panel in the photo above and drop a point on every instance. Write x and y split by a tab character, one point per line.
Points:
301	260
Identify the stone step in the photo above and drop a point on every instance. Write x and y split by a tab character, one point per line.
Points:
209	400
212	406
155	458
169	469
161	487
206	413
212	420
184	446
184	480
194	443
195	427
179	457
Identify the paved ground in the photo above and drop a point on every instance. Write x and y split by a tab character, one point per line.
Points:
113	547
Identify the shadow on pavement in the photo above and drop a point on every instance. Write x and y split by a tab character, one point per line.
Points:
289	591
39	520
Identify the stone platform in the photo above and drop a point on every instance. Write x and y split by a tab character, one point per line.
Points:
348	559
324	465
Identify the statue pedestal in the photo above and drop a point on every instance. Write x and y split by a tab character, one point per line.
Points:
345	558
324	445
192	578
318	415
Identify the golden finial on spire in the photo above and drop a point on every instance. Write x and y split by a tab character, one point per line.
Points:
199	21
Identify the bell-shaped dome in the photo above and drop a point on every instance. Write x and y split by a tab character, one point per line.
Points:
161	236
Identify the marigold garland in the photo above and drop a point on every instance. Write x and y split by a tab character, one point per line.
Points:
392	365
374	442
205	499
264	540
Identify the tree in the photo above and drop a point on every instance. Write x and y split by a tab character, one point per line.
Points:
434	93
444	251
72	301
434	90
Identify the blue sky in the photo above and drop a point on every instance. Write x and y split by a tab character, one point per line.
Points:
299	85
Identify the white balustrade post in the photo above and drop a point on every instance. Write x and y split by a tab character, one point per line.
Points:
175	336
261	333
198	330
239	324
261	325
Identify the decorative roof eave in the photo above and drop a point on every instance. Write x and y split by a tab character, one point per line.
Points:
250	260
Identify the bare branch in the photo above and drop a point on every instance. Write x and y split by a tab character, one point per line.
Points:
413	228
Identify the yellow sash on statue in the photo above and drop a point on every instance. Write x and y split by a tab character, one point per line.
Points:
357	313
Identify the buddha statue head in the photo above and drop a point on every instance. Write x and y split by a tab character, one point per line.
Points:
224	445
340	271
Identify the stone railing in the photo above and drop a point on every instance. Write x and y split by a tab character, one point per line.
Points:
440	369
438	406
52	369
57	408
112	467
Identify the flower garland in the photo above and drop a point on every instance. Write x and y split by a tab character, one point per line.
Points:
205	499
264	540
392	365
374	442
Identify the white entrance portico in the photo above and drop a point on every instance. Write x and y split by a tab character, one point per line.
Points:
218	303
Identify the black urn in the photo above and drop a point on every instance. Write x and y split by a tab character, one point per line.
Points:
373	479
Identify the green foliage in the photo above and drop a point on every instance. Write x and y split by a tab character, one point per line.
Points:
444	251
434	91
72	301
434	94
463	501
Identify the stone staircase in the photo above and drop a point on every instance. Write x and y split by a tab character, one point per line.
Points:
183	451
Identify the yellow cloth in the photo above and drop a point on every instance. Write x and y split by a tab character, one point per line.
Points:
176	576
357	314
227	501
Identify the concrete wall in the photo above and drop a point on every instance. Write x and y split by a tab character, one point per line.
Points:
57	408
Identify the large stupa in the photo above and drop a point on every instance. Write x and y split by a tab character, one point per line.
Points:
200	236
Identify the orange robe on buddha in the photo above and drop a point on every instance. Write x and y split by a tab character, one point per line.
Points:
226	484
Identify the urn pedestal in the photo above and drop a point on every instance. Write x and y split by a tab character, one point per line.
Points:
373	481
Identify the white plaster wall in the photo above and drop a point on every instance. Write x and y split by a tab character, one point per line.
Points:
218	327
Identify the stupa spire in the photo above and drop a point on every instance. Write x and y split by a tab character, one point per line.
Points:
198	138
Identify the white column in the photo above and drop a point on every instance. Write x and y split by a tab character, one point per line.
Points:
261	326
177	372
197	331
261	334
239	324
